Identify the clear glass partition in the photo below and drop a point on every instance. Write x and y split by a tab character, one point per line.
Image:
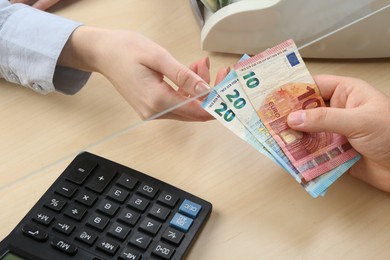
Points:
204	158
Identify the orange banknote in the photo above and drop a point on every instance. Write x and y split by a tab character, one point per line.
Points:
277	82
311	153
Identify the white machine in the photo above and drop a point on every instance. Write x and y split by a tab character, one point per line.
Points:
321	29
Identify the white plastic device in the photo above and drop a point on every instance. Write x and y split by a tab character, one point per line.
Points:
321	29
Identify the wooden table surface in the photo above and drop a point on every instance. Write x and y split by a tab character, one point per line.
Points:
259	211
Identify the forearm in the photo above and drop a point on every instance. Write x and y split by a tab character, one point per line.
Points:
31	42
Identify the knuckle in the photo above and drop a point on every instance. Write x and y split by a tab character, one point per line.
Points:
320	115
183	75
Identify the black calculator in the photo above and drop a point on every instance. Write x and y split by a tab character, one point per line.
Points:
99	209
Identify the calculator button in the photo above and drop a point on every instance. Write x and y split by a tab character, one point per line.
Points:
86	198
97	221
127	182
140	240
43	218
172	235
118	231
86	237
163	250
118	194
129	254
167	199
66	189
100	179
159	212
128	217
81	171
75	212
149	225
107	211
64	227
107	246
107	207
34	232
181	222
147	190
138	203
190	208
64	246
55	203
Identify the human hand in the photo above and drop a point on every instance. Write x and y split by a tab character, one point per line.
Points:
39	4
137	67
361	113
202	68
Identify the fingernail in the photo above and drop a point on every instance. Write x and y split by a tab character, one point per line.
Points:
201	88
296	118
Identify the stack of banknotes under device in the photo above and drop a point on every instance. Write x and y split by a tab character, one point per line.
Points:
215	5
254	101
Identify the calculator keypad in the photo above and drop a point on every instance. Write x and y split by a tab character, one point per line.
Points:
115	214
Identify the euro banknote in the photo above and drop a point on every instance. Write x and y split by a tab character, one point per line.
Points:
215	5
212	5
277	82
234	96
233	102
216	106
219	110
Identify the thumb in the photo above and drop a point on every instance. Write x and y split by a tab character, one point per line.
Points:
183	77
322	119
190	82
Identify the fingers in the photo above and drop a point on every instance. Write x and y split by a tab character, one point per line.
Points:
327	84
324	119
203	69
40	4
343	92
166	103
20	1
182	76
372	173
188	112
221	74
44	4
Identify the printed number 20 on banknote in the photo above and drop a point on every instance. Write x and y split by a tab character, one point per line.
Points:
277	82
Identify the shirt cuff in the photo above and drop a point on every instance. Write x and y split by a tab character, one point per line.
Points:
32	41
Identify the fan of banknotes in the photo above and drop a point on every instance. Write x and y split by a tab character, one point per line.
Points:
254	101
214	5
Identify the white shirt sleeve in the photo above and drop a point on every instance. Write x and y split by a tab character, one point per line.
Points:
30	44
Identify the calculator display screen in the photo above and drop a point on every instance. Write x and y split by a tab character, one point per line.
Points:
10	256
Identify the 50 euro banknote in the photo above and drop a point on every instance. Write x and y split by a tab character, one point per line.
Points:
277	82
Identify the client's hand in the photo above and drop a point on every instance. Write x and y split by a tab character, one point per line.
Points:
361	113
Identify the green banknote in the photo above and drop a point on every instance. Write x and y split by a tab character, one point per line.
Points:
223	3
212	5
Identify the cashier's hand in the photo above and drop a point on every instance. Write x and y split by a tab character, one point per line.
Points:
202	68
138	68
361	113
39	4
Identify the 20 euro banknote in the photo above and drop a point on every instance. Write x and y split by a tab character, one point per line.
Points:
236	100
215	105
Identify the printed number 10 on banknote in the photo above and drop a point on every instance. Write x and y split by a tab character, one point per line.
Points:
277	82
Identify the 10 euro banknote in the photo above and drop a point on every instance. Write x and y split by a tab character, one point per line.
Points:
261	92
